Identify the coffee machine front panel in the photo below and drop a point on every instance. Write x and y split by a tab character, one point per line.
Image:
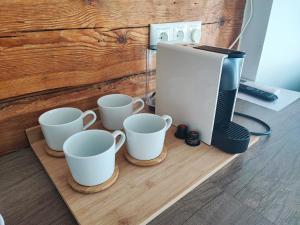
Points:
187	86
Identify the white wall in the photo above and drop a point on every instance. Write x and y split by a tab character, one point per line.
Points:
272	42
280	60
252	40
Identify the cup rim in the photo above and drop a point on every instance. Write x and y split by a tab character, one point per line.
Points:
113	107
145	114
57	109
66	152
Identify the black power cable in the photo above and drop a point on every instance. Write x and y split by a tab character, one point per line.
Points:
265	125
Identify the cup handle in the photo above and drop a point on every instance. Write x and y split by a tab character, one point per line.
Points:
85	114
121	141
168	120
141	103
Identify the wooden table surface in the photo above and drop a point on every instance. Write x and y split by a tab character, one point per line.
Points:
262	186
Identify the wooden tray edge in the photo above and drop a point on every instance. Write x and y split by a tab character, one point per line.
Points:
39	136
196	184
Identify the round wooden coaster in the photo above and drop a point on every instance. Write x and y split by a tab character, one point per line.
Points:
151	162
53	153
93	189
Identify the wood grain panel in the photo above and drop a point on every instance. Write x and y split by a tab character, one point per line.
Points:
56	53
18	115
28	15
39	61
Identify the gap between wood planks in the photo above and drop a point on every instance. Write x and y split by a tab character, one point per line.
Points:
221	22
8	101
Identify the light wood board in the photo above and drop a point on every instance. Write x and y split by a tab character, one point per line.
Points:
140	193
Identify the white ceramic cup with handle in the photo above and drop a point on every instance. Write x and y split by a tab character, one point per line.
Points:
115	108
59	124
145	134
91	154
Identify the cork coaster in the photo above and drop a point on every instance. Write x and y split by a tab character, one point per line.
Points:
53	153
93	189
151	162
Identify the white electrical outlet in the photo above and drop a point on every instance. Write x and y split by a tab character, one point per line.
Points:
164	35
194	32
180	32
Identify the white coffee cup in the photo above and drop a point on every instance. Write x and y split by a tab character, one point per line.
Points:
115	108
145	134
91	154
59	124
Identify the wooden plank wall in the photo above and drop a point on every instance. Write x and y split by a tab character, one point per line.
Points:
70	52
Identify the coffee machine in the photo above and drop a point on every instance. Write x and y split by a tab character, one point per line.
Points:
197	86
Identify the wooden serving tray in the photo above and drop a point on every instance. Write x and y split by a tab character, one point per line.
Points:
140	193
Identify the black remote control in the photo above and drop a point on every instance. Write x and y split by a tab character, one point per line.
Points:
257	93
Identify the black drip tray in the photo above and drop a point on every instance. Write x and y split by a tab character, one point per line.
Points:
231	137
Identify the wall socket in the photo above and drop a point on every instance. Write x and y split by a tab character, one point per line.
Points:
179	32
